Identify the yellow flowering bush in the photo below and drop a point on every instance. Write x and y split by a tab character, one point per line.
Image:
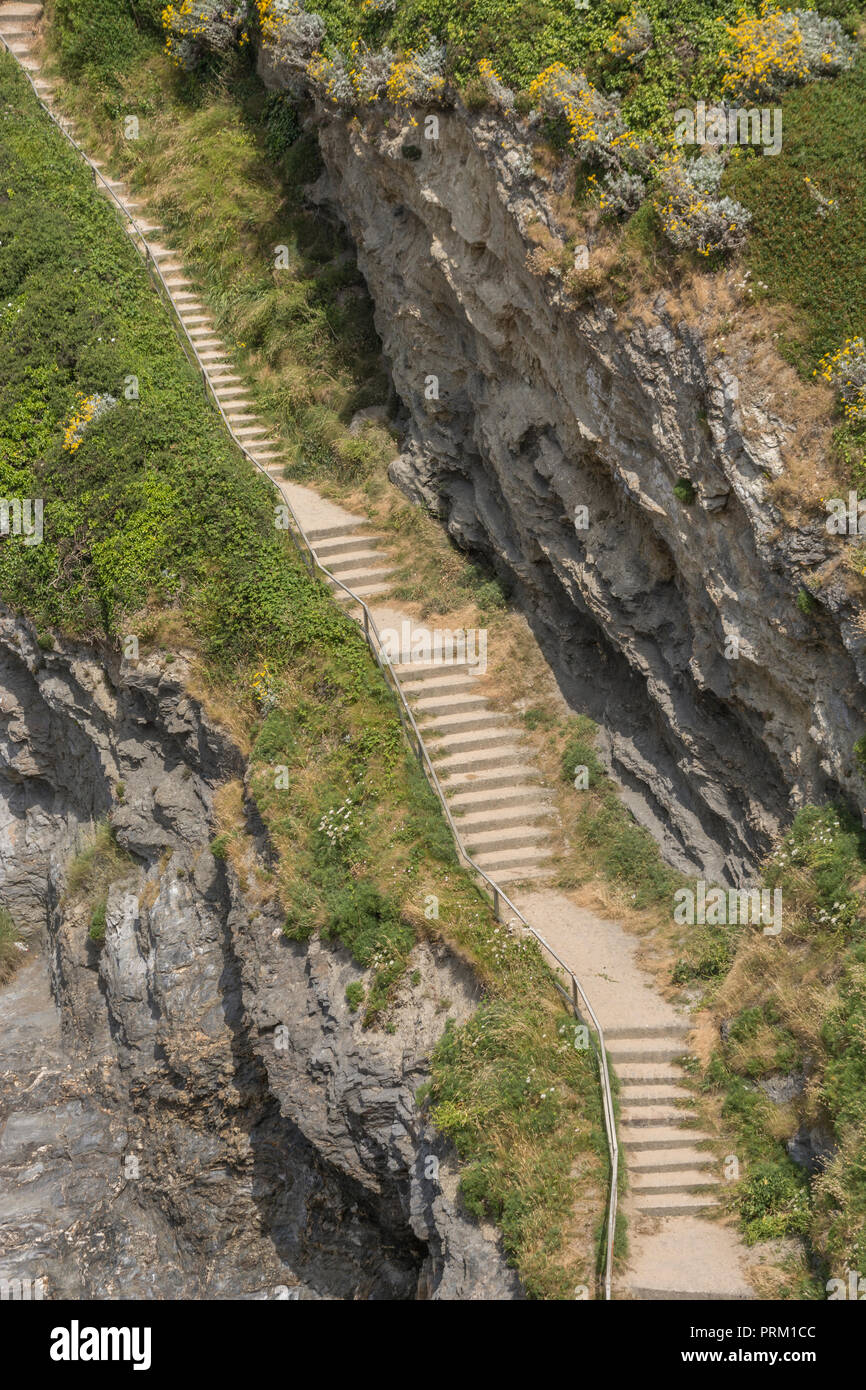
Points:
499	94
87	410
264	689
845	369
781	48
196	26
692	216
632	36
369	76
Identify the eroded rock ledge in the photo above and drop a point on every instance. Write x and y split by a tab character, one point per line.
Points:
543	408
155	1142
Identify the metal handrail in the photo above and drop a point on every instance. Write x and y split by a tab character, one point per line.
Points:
576	998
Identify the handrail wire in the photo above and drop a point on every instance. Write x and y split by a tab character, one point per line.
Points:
576	997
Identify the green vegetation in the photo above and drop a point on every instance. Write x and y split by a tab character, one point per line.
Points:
604	836
794	1010
355	995
685	491
91	873
514	1094
11	956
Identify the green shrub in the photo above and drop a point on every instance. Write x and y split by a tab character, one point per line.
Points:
96	930
774	1202
355	995
685	491
579	753
710	953
806	602
10	955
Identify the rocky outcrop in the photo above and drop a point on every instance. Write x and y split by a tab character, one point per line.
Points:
672	622
189	1109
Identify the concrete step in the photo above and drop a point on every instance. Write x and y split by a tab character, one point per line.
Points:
363	574
642	1095
350	560
686	1204
477	760
517	873
668	1295
634	1115
643	1049
439	687
673	1160
673	1181
649	1030
420	673
506	839
649	1073
469	721
512	860
467	804
493	818
342	544
327	533
21	9
233	405
660	1137
480	781
474	741
432	706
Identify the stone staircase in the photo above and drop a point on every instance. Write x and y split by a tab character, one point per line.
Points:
669	1174
502	811
18	23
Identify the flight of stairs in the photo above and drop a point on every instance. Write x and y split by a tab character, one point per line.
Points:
503	813
18	23
670	1175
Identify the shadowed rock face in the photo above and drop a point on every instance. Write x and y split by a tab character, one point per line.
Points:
161	1135
542	409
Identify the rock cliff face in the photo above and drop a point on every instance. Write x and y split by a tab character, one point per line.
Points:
189	1109
521	409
